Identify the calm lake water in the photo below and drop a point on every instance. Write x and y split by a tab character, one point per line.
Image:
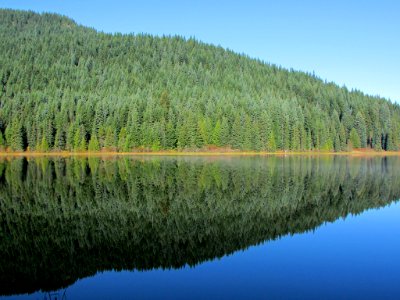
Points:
200	228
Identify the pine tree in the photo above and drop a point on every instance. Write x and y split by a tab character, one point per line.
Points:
225	134
237	134
15	137
70	137
80	140
82	144
77	139
93	144
182	140
216	134
109	141
170	133
342	138
123	140
205	131
354	139
2	142
247	134
328	145
336	144
257	143
44	145
295	138
271	144
361	129
59	140
133	127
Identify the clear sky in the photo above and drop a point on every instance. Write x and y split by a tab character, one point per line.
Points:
356	43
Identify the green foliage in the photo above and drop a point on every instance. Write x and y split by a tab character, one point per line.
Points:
110	140
123	140
216	134
354	139
328	146
93	144
14	136
79	140
59	140
271	144
44	145
155	146
360	126
66	82
224	133
2	142
205	131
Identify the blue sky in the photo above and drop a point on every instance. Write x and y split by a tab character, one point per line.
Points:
356	43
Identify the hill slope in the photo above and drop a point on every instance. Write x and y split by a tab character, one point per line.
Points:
65	86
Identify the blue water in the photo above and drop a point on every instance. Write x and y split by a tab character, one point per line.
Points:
352	258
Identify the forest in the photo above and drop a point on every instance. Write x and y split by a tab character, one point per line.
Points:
67	87
57	223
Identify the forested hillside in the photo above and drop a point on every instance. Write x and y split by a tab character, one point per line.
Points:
68	87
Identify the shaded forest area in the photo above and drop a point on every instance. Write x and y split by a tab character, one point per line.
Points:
68	87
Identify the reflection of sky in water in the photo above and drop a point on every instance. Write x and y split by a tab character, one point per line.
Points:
353	258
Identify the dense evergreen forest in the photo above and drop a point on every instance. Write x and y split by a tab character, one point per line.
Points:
68	87
57	223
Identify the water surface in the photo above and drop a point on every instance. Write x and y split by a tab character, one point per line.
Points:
179	228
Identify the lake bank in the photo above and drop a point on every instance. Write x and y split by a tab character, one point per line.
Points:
359	153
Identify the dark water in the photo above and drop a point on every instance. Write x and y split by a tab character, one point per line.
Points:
200	228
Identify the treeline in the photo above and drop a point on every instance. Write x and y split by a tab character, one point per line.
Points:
65	219
68	87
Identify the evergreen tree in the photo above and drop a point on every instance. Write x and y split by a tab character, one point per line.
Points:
224	133
170	133
70	137
77	139
123	142
2	142
59	140
93	144
109	141
248	134
361	129
15	139
354	139
271	144
82	145
342	137
216	134
205	131
44	145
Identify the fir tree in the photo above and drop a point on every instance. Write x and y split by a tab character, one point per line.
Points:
354	139
93	144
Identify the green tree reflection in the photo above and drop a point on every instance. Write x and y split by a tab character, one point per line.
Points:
64	219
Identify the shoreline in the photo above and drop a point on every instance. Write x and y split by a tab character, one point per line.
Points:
354	153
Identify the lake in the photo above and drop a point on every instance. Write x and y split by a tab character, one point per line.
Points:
200	228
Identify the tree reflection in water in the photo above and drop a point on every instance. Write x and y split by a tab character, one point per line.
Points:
65	219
